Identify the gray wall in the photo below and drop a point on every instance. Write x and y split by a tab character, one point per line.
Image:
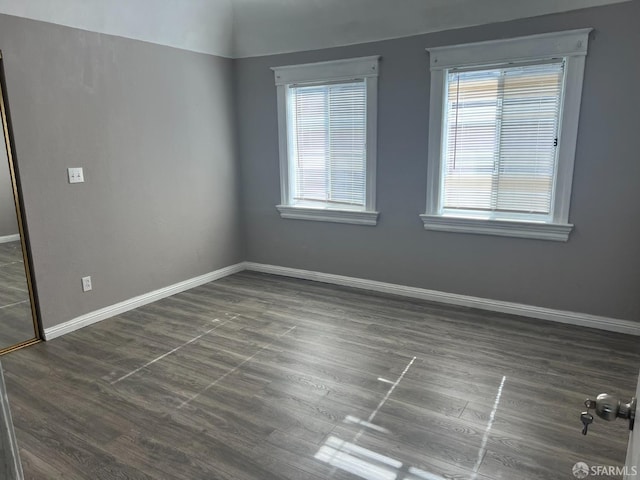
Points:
8	222
597	271
153	128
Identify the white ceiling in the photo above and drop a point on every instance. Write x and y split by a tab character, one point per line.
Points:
243	28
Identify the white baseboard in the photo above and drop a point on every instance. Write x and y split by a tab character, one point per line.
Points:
10	238
135	302
562	316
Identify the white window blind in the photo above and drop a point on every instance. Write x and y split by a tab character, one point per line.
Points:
327	144
500	140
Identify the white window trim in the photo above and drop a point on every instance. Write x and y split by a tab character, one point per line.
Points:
570	45
363	68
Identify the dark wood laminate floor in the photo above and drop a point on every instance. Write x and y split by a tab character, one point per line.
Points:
263	377
16	324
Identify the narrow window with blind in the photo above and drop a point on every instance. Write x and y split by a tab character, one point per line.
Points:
327	128
328	141
503	135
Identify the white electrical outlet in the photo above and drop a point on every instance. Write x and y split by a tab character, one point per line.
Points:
86	284
76	175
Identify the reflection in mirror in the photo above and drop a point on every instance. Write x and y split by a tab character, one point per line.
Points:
16	321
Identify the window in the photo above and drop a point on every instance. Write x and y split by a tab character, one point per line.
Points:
504	118
327	129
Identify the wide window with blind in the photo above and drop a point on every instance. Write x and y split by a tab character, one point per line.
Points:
327	127
500	140
503	135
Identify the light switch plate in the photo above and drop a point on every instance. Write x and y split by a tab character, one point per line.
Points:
76	175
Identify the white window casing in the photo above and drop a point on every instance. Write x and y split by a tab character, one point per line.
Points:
505	56
338	93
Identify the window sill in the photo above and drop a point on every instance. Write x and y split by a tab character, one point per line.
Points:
541	231
356	217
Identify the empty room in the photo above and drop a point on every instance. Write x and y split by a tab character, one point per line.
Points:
319	239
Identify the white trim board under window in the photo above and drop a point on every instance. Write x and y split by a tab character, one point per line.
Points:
327	129
502	136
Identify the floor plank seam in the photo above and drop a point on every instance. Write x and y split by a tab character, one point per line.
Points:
234	369
170	352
